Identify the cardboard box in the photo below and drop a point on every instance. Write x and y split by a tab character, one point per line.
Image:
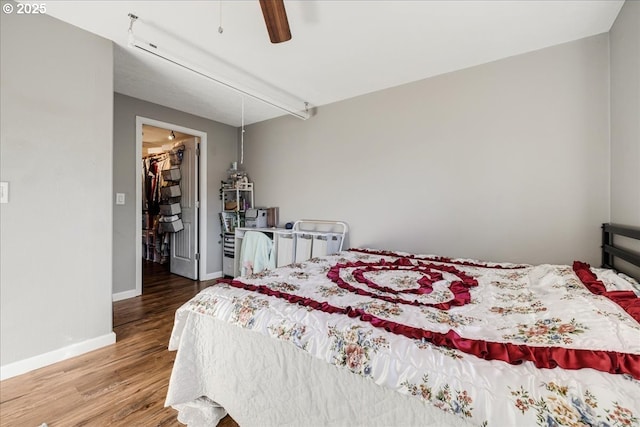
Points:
272	217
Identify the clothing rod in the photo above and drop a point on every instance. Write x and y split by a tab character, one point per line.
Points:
156	156
153	50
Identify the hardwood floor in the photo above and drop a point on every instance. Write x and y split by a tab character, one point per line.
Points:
124	384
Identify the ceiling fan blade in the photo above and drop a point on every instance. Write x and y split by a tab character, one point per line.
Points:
275	16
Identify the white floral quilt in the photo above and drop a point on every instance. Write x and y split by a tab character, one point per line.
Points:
493	344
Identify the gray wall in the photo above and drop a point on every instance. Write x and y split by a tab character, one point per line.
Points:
624	42
504	161
55	151
221	151
625	115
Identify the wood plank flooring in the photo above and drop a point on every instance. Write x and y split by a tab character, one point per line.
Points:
124	384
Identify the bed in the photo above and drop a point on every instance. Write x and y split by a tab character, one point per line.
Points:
372	337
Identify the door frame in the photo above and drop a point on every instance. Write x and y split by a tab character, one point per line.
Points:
201	217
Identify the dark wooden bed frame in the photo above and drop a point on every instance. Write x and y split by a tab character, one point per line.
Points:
610	250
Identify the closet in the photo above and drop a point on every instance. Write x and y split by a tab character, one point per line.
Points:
161	194
160	204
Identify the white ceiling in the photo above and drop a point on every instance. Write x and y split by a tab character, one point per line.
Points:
339	49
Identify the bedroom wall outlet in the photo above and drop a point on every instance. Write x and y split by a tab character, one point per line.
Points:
119	198
4	192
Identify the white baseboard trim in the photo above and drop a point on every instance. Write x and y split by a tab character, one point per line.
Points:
133	293
211	276
27	365
125	295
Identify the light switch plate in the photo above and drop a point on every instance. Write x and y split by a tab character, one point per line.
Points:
4	192
119	198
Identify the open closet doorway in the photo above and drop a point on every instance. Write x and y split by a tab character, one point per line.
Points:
170	195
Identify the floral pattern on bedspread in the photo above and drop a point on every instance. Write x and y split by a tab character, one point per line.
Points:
354	347
457	401
244	309
563	407
292	333
547	331
343	318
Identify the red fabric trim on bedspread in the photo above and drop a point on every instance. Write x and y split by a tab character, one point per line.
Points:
625	299
542	357
459	288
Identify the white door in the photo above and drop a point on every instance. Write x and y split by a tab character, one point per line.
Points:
184	244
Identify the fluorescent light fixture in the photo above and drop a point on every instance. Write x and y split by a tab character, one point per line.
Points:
152	49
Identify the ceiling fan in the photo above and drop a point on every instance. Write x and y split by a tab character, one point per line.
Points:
275	16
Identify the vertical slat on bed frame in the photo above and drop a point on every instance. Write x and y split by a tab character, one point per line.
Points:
607	259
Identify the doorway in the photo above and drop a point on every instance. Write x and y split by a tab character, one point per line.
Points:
184	251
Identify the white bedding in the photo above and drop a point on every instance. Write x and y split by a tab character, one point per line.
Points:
269	362
261	382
